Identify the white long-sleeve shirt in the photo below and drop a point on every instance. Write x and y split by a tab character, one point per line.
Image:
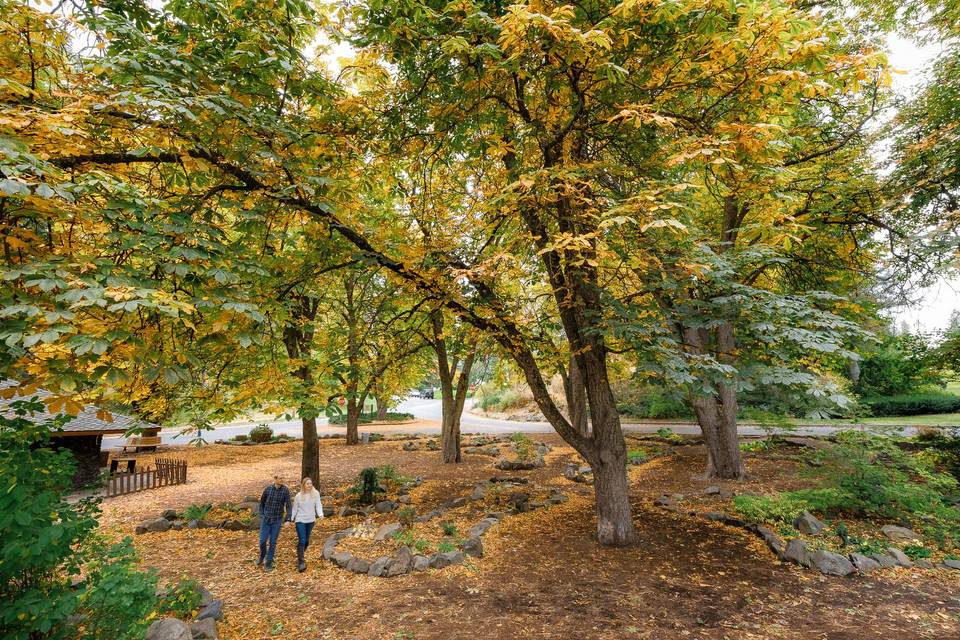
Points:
307	508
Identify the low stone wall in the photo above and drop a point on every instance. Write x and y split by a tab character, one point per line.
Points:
797	551
406	561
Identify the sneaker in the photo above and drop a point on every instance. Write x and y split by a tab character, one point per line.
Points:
302	567
268	568
259	561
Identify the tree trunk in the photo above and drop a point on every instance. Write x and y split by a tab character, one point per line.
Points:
576	395
383	404
717	412
310	463
453	410
353	420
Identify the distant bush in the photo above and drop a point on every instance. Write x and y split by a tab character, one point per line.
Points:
503	400
261	433
240	437
365	418
914	404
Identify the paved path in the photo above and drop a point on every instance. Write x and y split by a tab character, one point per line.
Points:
429	411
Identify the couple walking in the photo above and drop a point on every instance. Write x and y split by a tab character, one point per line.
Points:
277	507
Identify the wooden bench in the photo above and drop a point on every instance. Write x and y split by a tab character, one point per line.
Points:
141	442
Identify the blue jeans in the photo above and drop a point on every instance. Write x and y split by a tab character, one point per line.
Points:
269	532
303	532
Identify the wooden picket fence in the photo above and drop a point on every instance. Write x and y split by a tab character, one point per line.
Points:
169	471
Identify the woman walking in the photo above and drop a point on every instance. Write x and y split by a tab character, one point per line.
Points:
306	510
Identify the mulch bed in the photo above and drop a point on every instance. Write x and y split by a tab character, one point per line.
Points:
543	575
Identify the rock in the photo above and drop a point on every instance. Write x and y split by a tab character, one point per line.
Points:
176	526
885	561
797	551
169	514
508	480
358	565
169	629
774	542
404	499
342	558
253	524
479	492
806	523
519	465
863	563
204	629
410	446
420	563
233	525
193	524
496	515
455	503
351	511
399	565
387	530
481	527
385	506
208	524
923	563
712	491
252	499
441	560
899	534
377	566
155	525
831	564
950	563
902	559
213	610
328	511
254	508
329	547
473	547
206	598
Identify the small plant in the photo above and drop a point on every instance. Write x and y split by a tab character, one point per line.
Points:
389	473
406	516
182	600
261	433
636	456
196	512
446	546
755	446
917	551
523	445
776	508
448	528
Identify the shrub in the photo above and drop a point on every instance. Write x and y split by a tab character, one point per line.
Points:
118	599
240	437
368	484
261	433
636	456
45	541
448	528
914	404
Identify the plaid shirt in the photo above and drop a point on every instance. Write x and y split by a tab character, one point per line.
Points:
273	502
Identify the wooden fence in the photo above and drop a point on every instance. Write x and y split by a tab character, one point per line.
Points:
169	471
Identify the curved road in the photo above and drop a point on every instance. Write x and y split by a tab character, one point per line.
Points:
429	411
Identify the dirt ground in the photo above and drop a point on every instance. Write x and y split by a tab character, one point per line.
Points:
542	576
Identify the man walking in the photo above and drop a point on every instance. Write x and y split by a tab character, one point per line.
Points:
275	507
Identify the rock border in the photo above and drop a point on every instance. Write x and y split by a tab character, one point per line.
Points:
796	550
406	561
